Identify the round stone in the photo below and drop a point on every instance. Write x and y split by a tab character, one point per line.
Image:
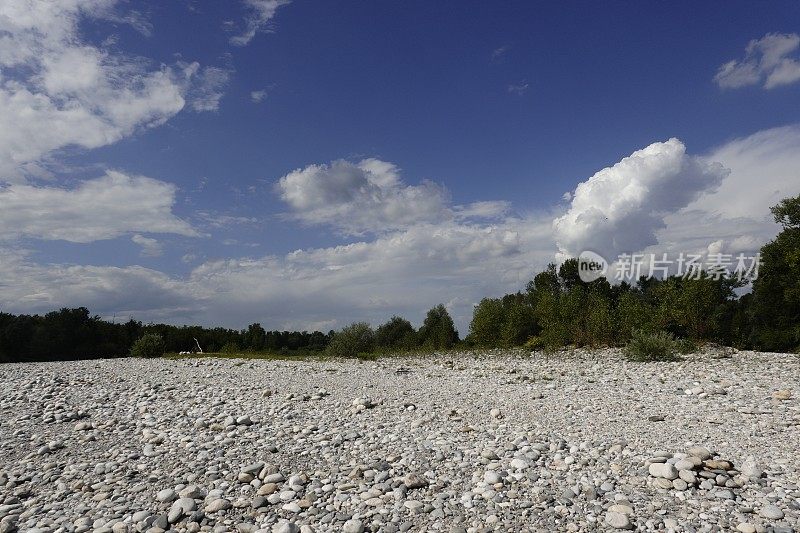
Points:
166	495
771	512
219	504
353	526
617	520
663	470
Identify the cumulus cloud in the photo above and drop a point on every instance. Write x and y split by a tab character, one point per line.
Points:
763	169
771	60
361	197
58	91
620	208
260	14
102	208
661	200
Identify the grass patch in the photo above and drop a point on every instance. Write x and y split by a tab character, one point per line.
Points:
266	356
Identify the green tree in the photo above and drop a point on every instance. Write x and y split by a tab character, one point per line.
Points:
632	313
351	341
599	328
255	337
438	331
775	307
487	323
397	332
519	320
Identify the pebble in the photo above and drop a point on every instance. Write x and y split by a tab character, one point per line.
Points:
463	443
617	520
771	512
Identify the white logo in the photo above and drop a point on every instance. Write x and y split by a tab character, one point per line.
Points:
591	266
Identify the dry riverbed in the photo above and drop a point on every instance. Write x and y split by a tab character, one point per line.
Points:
577	441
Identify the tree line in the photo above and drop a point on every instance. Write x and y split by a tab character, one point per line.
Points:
76	334
556	309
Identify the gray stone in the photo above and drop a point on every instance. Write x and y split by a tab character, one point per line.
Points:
219	504
353	526
166	495
663	470
617	520
771	512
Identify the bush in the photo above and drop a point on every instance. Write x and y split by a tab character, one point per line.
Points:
534	344
645	346
148	345
686	346
352	340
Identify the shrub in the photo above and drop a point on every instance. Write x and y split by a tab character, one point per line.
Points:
352	340
658	346
148	345
534	344
686	346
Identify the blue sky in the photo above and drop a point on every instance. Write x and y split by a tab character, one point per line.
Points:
305	164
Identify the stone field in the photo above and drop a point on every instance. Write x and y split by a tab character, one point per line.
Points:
472	442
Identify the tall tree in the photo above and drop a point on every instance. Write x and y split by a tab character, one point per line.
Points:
775	307
438	330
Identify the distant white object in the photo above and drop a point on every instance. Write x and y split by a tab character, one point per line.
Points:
198	345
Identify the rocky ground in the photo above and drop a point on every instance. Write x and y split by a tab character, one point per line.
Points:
576	441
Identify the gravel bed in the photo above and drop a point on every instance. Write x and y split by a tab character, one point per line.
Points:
494	441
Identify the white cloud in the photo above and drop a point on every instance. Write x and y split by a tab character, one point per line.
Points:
367	196
144	293
59	91
484	209
764	169
620	208
659	199
518	88
103	208
258	96
261	12
206	85
150	247
771	60
217	220
370	280
651	202
499	53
